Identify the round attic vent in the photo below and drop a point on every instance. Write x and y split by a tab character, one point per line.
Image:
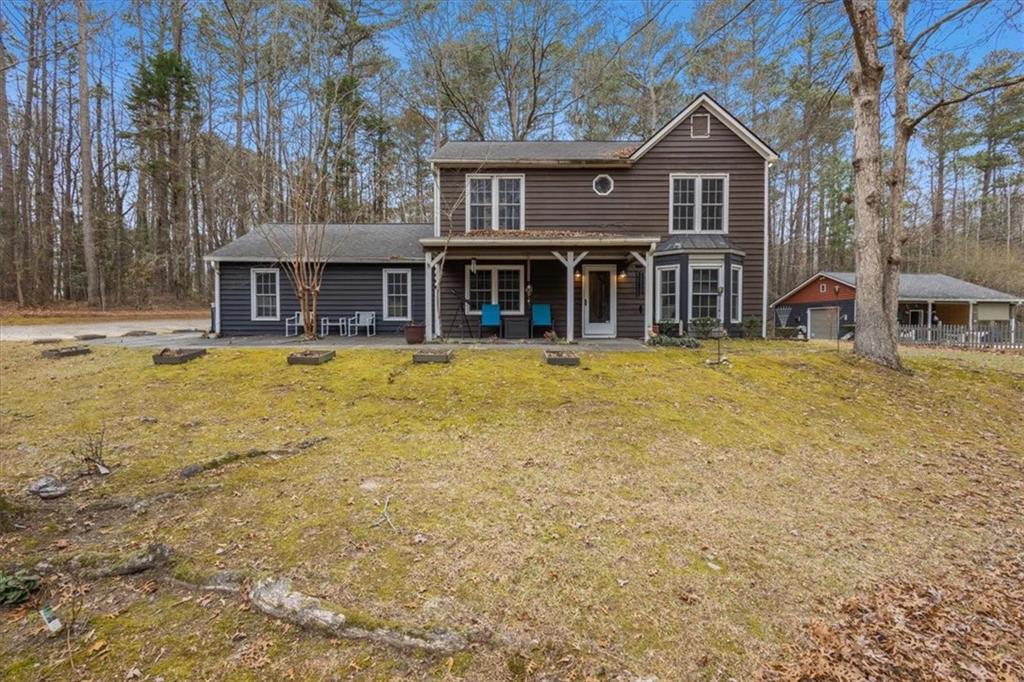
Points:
603	185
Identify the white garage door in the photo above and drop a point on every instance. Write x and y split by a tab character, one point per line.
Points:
821	323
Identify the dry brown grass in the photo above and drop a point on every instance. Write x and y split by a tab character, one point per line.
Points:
642	515
77	312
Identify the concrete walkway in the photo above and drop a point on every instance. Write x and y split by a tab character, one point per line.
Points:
108	328
190	333
380	342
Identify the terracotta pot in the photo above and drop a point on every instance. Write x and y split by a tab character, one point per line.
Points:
655	330
415	333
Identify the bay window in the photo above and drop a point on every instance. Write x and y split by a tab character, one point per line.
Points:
498	284
705	291
736	293
494	202
699	203
667	296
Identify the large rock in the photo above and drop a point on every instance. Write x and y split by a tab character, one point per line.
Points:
48	488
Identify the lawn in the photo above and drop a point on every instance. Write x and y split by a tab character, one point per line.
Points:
78	313
643	515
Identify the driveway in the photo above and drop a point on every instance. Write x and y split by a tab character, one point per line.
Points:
107	328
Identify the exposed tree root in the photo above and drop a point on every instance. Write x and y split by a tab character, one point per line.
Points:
217	462
157	555
275	598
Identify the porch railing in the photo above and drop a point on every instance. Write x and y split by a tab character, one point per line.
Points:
998	335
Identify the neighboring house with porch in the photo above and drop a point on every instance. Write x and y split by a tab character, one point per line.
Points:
609	237
925	301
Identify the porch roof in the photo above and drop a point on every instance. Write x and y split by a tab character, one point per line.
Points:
538	238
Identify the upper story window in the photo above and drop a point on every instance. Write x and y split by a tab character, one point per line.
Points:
494	202
265	285
699	203
603	185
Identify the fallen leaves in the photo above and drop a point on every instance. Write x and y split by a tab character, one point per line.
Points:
969	629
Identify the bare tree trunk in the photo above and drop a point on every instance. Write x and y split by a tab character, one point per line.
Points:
875	339
88	237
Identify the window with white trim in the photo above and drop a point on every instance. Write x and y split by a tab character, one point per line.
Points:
265	285
705	291
494	202
736	293
397	294
498	284
699	203
668	293
823	288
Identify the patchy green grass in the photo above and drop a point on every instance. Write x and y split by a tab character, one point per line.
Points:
641	514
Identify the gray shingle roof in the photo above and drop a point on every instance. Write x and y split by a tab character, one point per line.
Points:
381	243
935	286
536	151
696	242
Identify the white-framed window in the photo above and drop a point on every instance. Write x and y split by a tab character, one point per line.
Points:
700	125
603	185
265	288
736	293
397	294
698	203
823	288
499	284
667	296
705	291
495	202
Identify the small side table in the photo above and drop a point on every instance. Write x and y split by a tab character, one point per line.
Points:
516	327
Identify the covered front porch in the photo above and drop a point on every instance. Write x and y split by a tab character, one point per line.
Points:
961	323
575	287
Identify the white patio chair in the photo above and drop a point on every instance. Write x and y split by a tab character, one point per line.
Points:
363	320
293	324
327	322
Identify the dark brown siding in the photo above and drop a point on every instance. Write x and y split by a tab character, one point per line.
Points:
562	198
548	280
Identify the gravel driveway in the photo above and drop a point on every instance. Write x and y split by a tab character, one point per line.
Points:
112	328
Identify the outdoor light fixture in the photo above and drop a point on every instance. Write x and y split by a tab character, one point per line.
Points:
837	289
622	273
577	274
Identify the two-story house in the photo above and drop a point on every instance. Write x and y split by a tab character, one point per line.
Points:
612	236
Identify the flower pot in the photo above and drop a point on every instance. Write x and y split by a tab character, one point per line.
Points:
655	329
415	333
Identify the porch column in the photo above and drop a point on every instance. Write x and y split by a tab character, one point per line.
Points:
428	288
1013	323
647	261
570	260
929	321
970	316
432	294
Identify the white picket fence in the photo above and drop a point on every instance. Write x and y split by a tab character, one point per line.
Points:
998	335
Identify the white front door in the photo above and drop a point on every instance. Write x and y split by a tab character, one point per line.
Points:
599	301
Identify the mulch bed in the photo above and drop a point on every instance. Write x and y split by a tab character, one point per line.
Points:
969	629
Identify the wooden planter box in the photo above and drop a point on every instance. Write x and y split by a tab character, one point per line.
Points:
177	356
566	358
311	357
66	352
424	356
42	342
90	337
138	332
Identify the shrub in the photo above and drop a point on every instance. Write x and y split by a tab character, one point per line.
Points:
786	332
751	326
668	328
701	327
677	341
16	588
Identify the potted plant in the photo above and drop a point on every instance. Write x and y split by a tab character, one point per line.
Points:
415	332
655	329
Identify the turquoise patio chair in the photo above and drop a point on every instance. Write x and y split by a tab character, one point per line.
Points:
490	316
540	316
